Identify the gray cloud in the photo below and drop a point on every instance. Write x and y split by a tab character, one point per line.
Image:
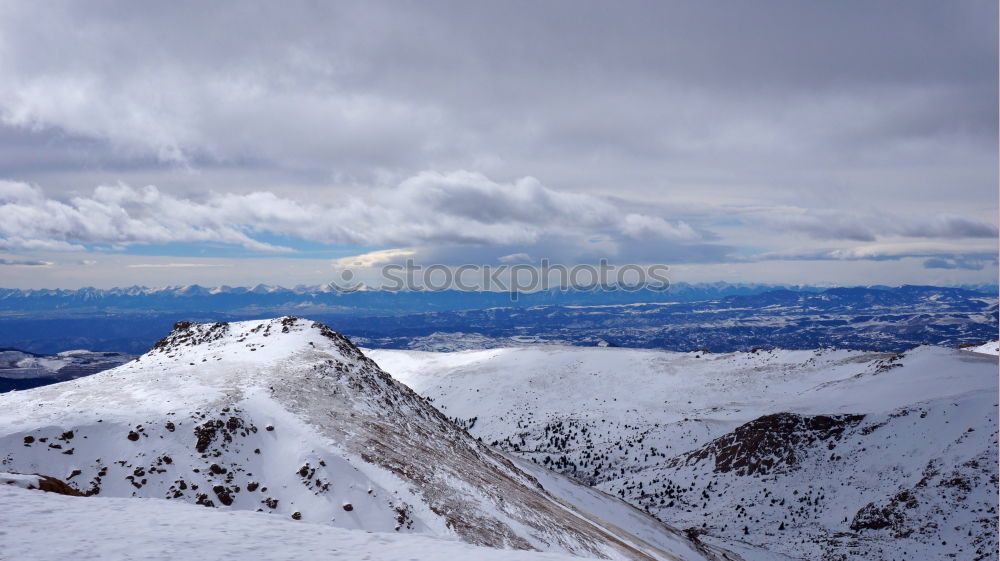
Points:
956	263
361	91
947	226
868	225
173	265
680	132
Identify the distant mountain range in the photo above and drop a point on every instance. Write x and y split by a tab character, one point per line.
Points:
718	317
879	319
325	299
676	291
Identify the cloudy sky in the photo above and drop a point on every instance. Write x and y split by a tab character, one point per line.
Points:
770	141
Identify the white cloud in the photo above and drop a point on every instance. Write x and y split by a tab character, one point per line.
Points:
888	250
372	258
643	227
458	208
116	215
466	217
18	243
515	258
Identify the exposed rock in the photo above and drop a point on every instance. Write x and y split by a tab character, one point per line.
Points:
769	443
41	482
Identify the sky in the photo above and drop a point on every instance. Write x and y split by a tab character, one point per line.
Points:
830	143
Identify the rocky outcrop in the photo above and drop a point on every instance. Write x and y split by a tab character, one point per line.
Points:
771	443
37	481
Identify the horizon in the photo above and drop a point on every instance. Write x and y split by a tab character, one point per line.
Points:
606	288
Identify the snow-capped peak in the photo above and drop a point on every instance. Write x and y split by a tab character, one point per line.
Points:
289	417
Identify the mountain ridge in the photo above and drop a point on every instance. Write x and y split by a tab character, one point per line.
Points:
288	416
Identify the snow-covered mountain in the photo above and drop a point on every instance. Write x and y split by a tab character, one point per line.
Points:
288	417
988	348
826	454
21	370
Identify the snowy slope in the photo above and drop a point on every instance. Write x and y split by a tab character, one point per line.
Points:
108	529
826	454
990	348
288	417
